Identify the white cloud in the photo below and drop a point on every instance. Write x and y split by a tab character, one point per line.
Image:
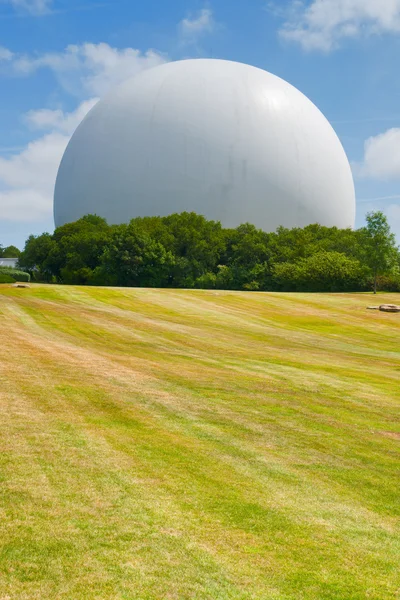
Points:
27	178
58	120
24	205
393	214
197	25
33	7
323	24
381	157
89	69
5	54
381	162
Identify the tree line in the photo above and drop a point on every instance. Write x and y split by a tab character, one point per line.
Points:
188	251
9	252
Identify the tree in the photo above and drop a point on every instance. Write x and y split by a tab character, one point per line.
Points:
36	256
78	249
9	252
321	272
380	247
247	255
186	250
196	243
133	258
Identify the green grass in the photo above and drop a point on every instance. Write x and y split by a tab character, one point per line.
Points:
191	444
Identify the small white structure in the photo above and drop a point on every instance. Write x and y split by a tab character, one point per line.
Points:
8	262
223	139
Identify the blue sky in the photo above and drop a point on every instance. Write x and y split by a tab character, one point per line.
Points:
57	57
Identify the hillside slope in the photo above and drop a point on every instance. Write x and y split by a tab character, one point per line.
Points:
191	444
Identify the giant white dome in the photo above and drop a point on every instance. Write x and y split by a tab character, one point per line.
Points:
223	139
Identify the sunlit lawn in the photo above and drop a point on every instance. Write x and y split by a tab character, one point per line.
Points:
198	445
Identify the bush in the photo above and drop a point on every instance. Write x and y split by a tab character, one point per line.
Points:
206	281
15	274
6	278
321	272
385	283
185	250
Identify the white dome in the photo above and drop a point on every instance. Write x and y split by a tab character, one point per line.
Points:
223	139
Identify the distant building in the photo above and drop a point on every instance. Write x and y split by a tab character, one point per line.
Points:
8	262
226	140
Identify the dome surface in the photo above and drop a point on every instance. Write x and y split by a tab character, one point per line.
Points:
224	139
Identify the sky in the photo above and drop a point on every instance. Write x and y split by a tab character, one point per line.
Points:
58	57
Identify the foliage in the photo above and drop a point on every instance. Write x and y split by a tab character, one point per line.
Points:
196	244
4	278
37	256
16	274
133	258
188	251
9	252
389	283
323	271
381	253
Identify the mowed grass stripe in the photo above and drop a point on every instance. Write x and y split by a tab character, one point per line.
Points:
180	444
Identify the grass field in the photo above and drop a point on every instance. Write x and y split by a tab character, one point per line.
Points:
198	445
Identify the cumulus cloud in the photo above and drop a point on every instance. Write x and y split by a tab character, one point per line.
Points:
27	178
197	25
89	69
58	120
33	7
381	157
5	54
381	162
324	24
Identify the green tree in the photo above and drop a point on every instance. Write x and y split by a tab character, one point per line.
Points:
133	258
321	272
247	255
197	245
9	252
290	245
78	249
187	250
36	256
380	250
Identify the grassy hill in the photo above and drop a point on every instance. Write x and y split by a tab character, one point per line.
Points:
189	444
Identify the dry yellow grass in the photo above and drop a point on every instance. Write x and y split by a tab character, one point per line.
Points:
191	444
